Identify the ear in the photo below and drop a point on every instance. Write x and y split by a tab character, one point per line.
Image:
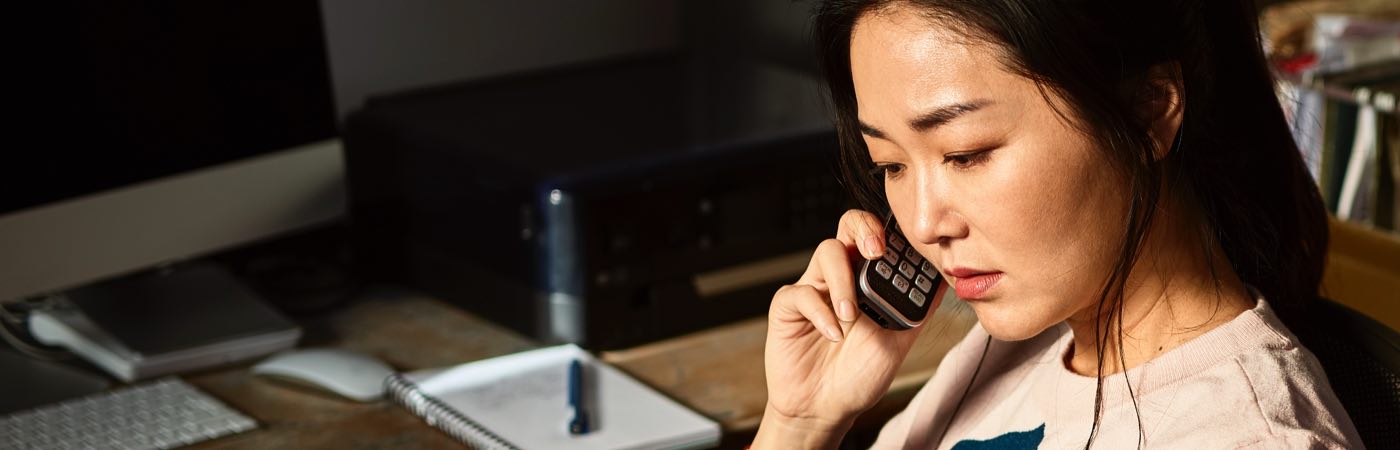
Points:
1162	106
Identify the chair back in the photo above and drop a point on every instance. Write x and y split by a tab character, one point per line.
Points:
1362	359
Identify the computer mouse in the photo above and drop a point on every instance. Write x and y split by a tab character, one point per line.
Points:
346	373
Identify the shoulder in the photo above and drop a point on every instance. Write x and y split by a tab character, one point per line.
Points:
1270	393
1293	394
1287	396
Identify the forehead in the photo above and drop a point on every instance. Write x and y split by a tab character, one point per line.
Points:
903	63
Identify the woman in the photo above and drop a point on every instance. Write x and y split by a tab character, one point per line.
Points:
1110	185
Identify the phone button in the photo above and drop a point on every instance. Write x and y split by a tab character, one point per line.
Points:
901	283
923	283
929	269
896	242
883	269
906	269
913	255
917	297
892	255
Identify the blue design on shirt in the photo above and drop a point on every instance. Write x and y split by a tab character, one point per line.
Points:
1015	440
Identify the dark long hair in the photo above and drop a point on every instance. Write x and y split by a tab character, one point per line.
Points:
1235	161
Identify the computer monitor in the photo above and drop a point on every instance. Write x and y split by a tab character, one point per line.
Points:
156	132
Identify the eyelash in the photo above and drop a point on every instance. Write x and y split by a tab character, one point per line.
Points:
968	159
960	161
885	171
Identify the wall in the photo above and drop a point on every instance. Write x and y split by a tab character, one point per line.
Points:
378	46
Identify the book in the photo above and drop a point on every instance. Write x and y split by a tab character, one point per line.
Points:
151	324
520	401
1359	182
1387	199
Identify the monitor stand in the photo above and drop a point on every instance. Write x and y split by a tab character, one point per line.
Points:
164	322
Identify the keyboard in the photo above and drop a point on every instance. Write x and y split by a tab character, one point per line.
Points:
163	414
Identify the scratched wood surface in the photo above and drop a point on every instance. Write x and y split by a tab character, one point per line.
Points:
408	331
717	372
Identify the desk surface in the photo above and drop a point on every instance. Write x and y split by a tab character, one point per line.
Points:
718	372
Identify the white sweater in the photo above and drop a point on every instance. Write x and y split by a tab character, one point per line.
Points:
1245	384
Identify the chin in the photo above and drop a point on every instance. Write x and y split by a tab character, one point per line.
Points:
1008	323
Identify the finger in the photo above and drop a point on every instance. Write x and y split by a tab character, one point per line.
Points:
805	303
862	230
834	266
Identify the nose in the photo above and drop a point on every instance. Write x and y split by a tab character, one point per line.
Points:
932	216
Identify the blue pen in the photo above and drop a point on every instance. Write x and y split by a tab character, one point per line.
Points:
578	424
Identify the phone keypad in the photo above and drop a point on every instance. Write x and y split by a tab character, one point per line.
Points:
906	269
923	283
917	297
901	256
928	269
901	284
901	273
883	269
913	256
897	243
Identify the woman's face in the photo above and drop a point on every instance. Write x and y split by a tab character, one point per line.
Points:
1019	210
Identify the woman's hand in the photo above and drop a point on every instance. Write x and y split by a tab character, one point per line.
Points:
825	363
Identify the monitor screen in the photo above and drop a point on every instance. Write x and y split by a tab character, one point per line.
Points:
118	92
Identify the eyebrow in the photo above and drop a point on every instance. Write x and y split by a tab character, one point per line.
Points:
931	119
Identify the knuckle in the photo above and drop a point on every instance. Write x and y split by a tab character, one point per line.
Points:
830	244
831	256
782	297
834	252
850	220
854	217
873	222
792	292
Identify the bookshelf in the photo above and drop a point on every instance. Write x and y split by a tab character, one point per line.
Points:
1338	64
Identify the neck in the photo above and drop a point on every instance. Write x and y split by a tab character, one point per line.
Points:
1170	298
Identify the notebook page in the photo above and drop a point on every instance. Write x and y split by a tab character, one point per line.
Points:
523	398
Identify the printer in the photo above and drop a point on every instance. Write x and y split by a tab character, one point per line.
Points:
608	205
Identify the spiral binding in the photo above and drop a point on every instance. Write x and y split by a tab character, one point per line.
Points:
443	417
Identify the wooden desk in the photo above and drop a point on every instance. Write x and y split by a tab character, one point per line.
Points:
408	331
717	372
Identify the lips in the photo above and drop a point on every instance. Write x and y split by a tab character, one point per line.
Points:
972	284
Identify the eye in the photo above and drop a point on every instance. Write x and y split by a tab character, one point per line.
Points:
966	160
887	171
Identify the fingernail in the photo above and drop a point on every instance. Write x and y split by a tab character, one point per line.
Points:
846	311
833	333
872	247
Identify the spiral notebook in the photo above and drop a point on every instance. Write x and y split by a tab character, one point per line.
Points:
520	401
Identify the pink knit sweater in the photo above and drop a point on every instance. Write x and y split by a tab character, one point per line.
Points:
1245	384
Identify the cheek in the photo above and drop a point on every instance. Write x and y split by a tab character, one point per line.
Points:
1051	217
1052	227
902	194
